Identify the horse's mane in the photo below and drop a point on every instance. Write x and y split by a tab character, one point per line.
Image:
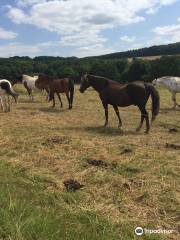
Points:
50	78
99	77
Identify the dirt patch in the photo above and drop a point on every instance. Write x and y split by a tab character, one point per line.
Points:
173	130
102	163
142	197
97	162
72	185
127	185
56	140
126	150
173	146
132	170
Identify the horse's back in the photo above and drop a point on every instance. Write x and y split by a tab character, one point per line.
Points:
116	94
30	81
137	91
60	85
172	83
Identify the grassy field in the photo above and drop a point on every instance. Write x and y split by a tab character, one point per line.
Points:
137	184
150	58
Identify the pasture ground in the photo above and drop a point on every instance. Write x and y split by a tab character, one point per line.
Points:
41	147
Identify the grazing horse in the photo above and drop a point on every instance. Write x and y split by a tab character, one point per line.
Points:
172	84
29	84
6	89
123	95
56	85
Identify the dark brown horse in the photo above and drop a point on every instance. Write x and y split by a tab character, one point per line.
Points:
123	95
56	85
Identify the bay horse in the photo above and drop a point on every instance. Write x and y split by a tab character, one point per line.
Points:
170	83
29	84
123	95
6	89
56	85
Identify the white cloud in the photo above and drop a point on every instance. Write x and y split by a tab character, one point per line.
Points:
167	2
25	3
128	39
21	49
169	32
80	23
152	11
5	34
67	17
74	16
85	38
95	50
18	49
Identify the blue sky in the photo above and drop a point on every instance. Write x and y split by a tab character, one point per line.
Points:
85	27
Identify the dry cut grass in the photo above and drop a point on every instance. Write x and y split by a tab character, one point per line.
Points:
137	183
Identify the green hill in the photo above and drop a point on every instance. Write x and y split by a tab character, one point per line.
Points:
169	49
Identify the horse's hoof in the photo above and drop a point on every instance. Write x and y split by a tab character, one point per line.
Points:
137	129
146	132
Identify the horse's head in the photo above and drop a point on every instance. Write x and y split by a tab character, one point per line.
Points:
154	82
158	82
39	83
84	83
17	79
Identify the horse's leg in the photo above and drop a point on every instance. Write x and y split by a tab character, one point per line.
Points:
1	102
32	97
9	104
144	115
60	99
105	105
141	122
147	121
117	113
68	98
174	99
5	104
48	93
29	92
53	101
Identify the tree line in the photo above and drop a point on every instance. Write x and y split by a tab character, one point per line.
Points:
120	70
168	49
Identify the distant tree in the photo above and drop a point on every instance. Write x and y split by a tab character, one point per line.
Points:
134	71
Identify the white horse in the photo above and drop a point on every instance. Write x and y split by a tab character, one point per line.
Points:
6	89
29	84
172	84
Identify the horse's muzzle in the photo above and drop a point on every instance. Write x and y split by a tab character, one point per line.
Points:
81	90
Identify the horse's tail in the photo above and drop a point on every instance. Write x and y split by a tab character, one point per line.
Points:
9	90
71	88
155	100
